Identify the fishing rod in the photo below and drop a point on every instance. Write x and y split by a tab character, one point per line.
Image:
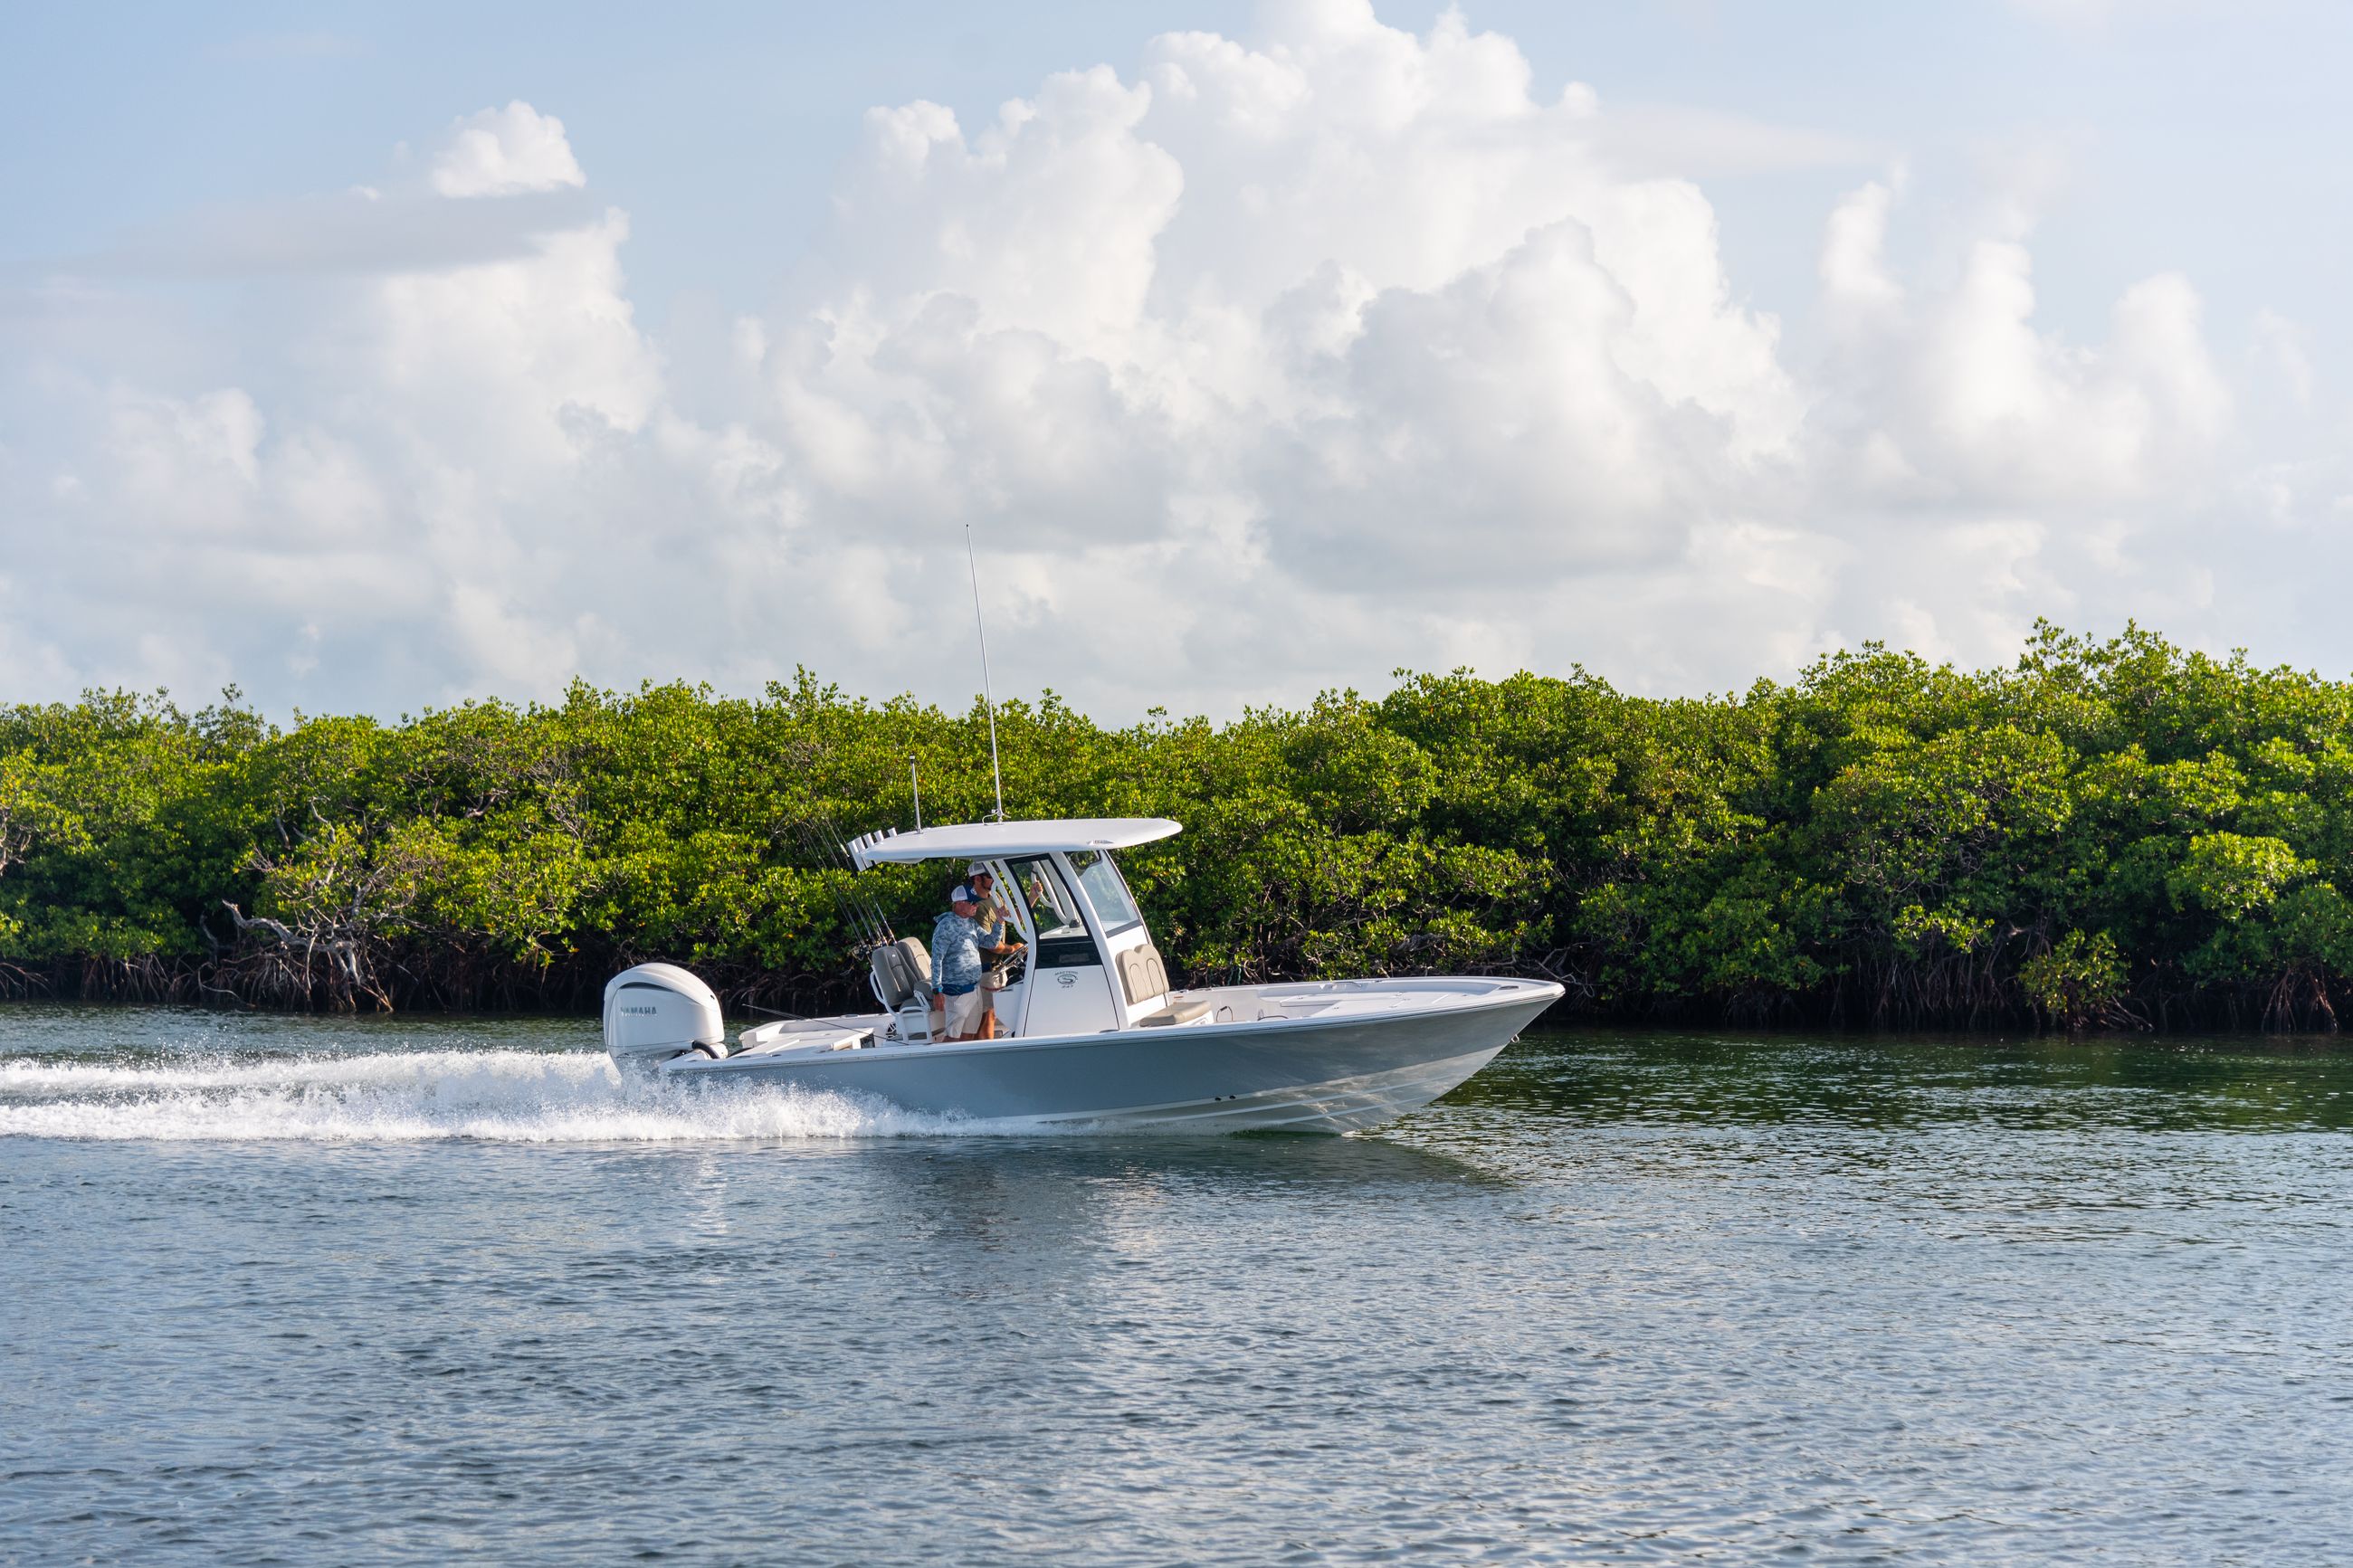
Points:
872	910
821	841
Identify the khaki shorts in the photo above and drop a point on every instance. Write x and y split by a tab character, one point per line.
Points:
963	1012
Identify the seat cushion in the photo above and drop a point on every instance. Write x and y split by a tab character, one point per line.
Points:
1176	1012
1141	974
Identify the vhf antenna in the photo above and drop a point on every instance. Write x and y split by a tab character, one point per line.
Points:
987	694
916	779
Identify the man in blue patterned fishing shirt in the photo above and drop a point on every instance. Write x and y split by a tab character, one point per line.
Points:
997	938
957	967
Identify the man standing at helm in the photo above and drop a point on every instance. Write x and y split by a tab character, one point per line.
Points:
996	940
958	939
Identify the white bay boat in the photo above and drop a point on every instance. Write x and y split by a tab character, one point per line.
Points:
1091	1030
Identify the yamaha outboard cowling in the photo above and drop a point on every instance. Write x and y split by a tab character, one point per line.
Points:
658	1011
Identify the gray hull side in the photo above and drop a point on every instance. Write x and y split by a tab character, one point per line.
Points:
1312	1075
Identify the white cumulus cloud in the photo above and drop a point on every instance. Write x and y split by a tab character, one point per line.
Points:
504	152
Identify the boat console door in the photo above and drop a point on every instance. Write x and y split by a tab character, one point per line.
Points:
1065	991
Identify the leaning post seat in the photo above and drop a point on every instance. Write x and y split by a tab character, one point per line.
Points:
902	970
901	973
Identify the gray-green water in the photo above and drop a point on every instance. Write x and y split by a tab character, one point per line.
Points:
306	1291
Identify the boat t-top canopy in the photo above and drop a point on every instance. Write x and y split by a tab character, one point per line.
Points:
990	840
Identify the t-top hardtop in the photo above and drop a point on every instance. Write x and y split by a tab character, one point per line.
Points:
995	840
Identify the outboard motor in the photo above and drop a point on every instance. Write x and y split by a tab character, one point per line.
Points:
658	1011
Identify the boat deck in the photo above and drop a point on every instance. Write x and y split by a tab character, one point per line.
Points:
1293	1002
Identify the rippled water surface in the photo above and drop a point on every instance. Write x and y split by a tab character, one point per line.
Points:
397	1291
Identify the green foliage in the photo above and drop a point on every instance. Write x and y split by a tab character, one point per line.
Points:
2232	876
2079	981
2103	834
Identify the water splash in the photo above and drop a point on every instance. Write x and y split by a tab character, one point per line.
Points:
509	1096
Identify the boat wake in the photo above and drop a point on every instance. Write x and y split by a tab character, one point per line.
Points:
505	1096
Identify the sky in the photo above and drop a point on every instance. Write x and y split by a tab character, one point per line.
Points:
377	357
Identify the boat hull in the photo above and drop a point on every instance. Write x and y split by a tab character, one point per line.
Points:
1337	1074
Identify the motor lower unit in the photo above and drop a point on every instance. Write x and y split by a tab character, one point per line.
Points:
656	1011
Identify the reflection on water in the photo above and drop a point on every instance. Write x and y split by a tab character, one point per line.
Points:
401	1289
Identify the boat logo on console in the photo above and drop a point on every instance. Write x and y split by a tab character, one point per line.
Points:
1066	978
